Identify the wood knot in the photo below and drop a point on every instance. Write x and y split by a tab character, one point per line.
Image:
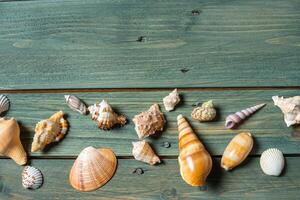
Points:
166	144
184	70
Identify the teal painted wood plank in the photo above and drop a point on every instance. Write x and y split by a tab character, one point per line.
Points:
161	182
97	44
267	125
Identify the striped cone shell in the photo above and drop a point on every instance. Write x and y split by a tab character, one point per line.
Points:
32	178
194	161
237	150
76	104
142	151
236	118
4	103
92	169
272	162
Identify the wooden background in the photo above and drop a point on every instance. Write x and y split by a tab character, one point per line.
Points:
133	53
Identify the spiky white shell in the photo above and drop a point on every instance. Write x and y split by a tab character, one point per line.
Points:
171	100
4	103
272	162
32	178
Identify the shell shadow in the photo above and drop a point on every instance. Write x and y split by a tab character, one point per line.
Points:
25	141
215	178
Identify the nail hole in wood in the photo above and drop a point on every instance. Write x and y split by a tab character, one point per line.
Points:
138	171
184	70
195	12
142	39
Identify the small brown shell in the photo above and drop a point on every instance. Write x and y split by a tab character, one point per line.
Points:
149	122
76	104
206	112
142	151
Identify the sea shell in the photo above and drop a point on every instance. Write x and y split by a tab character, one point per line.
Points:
10	144
194	161
32	178
49	130
149	122
272	162
76	104
171	100
4	103
237	150
206	112
142	151
105	116
236	118
290	108
92	169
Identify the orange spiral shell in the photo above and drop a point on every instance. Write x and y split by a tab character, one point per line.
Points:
194	161
237	150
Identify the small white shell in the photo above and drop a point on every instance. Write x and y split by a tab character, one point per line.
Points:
32	178
272	162
4	103
171	100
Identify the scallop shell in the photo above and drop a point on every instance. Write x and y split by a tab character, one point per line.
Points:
290	107
237	150
272	162
10	143
76	104
4	103
32	178
149	122
92	169
194	161
105	116
48	131
206	112
142	151
236	118
171	100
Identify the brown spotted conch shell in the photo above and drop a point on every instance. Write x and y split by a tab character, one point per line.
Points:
76	104
290	108
171	100
48	131
142	151
237	150
236	118
92	169
194	161
105	116
149	122
206	112
10	144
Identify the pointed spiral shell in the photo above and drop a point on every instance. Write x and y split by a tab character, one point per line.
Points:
4	103
32	178
272	162
236	118
76	104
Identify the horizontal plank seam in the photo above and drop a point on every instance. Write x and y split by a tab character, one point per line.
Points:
103	90
131	157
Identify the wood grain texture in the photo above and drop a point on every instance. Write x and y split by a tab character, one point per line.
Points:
267	125
98	44
162	182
